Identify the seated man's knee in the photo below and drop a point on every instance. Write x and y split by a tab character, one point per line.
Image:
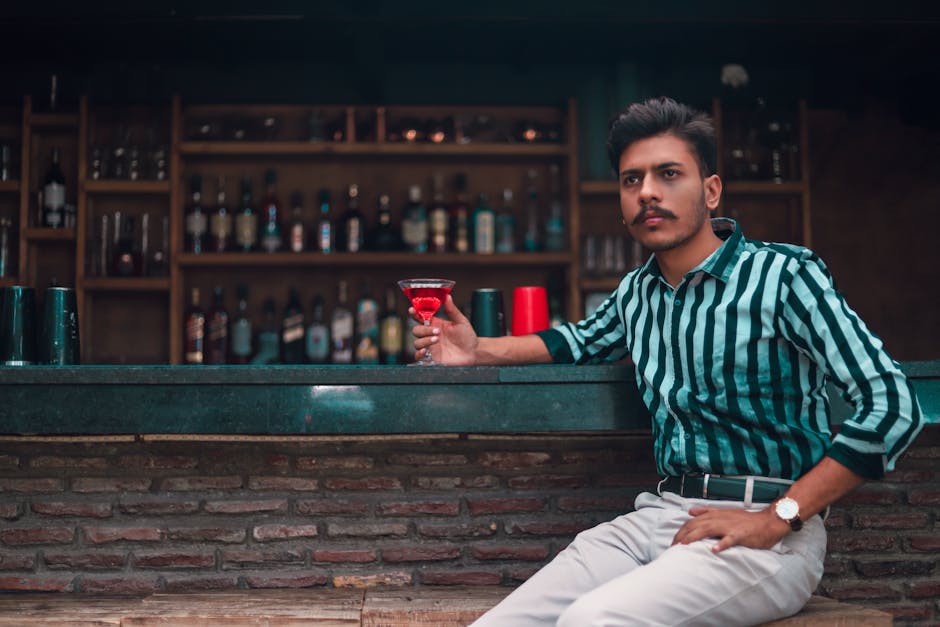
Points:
581	613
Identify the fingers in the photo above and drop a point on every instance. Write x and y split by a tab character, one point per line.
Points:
453	312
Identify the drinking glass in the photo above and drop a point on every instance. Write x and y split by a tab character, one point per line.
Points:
426	296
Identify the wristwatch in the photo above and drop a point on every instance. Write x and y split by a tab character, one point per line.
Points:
788	511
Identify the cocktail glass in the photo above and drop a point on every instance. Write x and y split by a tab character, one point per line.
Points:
426	296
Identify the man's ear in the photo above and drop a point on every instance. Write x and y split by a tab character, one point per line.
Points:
712	186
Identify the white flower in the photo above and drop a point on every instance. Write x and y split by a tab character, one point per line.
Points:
734	75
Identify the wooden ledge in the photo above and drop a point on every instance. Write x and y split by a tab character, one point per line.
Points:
389	607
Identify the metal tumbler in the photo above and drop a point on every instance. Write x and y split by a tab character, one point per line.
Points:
17	326
486	313
58	338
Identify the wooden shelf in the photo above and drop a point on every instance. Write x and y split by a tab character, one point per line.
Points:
370	259
611	188
126	284
9	186
54	120
253	149
126	187
49	235
7	281
763	188
600	284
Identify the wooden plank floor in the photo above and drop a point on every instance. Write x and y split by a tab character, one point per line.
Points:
324	607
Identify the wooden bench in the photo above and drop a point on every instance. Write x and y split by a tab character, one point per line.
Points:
373	607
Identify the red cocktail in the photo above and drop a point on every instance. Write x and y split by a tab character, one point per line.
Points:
426	296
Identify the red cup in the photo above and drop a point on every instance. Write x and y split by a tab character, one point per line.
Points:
529	309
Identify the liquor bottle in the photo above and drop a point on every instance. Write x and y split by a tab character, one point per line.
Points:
460	212
292	330
126	260
6	159
391	330
298	232
352	235
220	224
532	241
367	327
484	227
385	238
341	328
194	328
5	225
246	222
556	317
317	345
506	225
53	194
197	222
325	224
414	226
271	233
438	216
241	330
555	225
217	337
157	266
269	337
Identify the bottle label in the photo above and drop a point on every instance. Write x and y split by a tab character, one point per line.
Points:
271	242
241	338
246	229
343	338
196	223
297	238
484	233
221	225
414	231
353	235
53	196
391	339
318	343
218	330
293	329
325	239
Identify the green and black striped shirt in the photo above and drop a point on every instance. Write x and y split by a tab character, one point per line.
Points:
733	364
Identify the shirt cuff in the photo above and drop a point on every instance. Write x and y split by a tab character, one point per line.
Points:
868	465
557	346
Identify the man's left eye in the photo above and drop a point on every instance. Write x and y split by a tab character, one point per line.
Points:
670	173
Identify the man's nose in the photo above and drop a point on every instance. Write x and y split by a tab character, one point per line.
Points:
650	192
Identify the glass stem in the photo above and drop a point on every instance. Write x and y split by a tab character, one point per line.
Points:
427	360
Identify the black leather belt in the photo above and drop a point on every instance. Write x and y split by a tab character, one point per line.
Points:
722	488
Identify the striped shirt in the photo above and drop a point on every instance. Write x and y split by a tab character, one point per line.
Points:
733	364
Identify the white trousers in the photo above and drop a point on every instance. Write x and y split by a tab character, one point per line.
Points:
625	572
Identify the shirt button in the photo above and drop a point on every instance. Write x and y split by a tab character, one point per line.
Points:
678	302
687	436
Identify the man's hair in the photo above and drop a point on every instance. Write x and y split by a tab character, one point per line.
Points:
662	116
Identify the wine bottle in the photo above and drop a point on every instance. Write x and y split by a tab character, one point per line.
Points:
341	327
352	234
484	227
53	194
438	216
271	234
194	329
317	346
367	327
506	225
385	238
220	224
217	337
460	215
414	228
241	330
391	329
246	222
298	232
325	224
269	337
292	330
555	225
197	222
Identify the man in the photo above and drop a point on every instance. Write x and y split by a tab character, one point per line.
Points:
733	342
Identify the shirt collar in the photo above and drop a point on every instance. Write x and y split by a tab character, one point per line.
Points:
722	261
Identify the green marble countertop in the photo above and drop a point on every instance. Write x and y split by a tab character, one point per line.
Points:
296	400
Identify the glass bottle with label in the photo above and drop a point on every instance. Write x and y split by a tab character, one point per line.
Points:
126	260
241	330
271	233
325	223
414	227
484	227
5	226
197	222
533	237
367	327
269	337
292	330
53	194
298	232
217	336
438	216
194	329
317	345
460	215
391	330
555	225
246	222
385	237
352	234
506	225
220	224
341	327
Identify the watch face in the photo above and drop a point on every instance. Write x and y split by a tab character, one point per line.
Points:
787	509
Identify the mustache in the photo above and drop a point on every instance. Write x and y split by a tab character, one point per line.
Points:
653	211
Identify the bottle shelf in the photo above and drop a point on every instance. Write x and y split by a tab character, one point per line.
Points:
763	188
253	149
54	120
126	187
600	284
43	234
9	186
8	281
588	188
126	284
370	259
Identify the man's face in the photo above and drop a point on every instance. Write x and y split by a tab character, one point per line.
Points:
663	199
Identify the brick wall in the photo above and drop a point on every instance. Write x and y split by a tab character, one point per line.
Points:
144	516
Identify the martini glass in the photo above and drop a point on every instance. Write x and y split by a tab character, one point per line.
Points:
426	296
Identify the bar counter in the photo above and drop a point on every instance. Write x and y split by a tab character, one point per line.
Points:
313	400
